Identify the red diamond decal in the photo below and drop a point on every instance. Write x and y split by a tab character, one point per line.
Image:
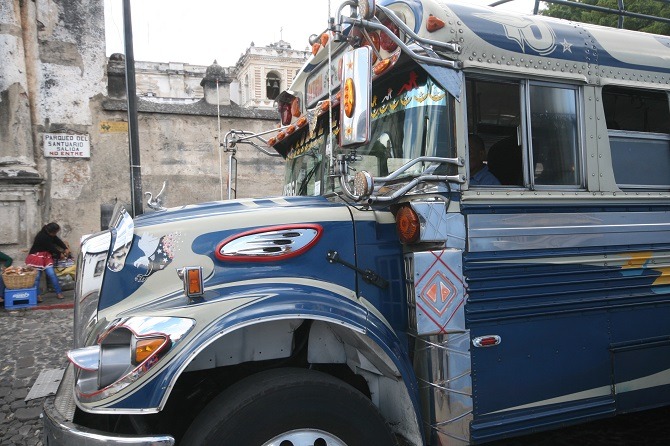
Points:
438	293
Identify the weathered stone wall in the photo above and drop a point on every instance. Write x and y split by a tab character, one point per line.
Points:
18	178
183	149
53	60
54	78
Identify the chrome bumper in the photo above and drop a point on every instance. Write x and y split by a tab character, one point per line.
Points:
60	432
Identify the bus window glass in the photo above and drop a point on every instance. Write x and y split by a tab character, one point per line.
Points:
636	110
303	175
494	115
638	124
555	136
553	156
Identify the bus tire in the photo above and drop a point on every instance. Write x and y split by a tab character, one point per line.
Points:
289	407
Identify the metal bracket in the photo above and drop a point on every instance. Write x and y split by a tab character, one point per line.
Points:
368	275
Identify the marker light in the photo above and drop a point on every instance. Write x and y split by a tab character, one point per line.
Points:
191	276
194	281
381	66
487	341
433	24
407	224
374	37
315	48
349	97
295	107
144	348
386	43
285	114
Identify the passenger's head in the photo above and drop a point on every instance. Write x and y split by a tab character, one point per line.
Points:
477	153
52	228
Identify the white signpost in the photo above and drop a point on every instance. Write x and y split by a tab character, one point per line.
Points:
63	145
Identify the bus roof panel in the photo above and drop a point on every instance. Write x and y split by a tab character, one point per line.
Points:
491	38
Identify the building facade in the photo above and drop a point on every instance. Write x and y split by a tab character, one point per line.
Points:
64	152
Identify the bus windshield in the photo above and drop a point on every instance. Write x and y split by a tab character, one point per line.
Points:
411	116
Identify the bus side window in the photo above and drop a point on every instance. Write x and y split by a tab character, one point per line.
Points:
555	138
494	114
553	153
638	123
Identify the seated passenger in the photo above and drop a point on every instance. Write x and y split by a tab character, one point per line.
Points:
505	161
479	171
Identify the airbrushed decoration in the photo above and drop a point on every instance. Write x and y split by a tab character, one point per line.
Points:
269	244
409	95
536	35
158	253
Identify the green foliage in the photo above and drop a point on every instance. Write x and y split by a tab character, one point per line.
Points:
658	8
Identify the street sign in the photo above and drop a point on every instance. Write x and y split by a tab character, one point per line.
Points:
63	145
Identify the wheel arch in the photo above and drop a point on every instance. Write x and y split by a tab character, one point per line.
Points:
341	331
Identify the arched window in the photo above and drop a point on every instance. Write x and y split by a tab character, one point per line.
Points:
272	85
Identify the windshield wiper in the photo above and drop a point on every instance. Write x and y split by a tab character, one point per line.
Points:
302	190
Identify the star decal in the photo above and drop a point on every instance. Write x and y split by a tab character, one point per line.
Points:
566	46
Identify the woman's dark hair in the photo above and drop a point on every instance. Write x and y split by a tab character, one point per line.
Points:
52	228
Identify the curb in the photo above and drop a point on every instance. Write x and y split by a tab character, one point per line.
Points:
63	306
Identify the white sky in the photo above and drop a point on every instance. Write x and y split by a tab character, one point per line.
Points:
199	31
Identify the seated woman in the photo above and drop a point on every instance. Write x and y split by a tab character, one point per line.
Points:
47	247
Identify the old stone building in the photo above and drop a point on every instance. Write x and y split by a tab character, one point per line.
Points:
63	122
264	72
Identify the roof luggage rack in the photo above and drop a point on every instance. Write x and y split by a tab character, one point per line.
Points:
620	11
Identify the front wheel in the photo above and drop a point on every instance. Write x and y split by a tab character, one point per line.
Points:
289	407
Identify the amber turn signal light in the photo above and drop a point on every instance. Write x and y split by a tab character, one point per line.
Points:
144	348
381	66
407	225
194	281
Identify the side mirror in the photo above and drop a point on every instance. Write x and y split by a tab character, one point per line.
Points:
355	90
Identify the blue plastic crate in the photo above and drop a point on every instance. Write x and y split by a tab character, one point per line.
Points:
21	298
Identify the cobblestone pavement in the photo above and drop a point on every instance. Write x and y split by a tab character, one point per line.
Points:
34	340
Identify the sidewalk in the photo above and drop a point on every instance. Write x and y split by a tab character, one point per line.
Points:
51	302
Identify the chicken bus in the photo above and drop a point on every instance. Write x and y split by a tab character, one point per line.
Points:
473	244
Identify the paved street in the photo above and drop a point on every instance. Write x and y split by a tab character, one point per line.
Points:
36	339
32	340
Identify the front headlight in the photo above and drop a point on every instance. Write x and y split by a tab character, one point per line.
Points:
124	351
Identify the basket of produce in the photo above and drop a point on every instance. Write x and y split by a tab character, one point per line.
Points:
18	277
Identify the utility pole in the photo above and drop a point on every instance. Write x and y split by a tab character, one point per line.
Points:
133	126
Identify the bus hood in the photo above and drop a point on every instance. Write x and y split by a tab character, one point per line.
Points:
237	241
